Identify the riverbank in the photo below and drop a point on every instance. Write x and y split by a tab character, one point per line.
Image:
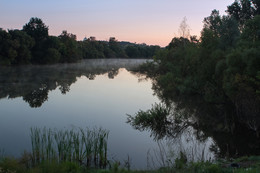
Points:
245	164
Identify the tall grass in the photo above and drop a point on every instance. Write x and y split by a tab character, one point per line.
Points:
82	146
2	154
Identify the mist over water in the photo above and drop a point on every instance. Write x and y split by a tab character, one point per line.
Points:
92	93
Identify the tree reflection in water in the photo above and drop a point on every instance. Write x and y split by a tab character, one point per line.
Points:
189	124
33	83
184	121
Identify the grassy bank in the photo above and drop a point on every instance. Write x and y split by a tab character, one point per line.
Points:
20	165
81	150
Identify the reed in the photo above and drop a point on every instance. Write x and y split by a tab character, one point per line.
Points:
35	141
86	147
87	140
2	154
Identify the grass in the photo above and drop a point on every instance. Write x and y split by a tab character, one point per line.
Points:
85	151
11	165
2	154
242	165
86	147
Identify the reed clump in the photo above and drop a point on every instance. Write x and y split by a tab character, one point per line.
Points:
87	147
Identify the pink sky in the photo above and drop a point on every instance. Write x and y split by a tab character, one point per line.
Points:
143	21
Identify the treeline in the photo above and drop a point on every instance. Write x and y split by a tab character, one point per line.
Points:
33	45
223	65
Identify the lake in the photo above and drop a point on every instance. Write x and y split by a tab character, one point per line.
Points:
95	93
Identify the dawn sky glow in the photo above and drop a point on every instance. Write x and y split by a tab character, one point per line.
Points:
142	21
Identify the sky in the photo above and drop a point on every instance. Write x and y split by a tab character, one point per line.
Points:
154	22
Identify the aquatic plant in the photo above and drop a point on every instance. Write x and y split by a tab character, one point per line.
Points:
2	154
82	146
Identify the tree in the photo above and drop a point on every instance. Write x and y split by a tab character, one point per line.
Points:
22	43
39	31
15	47
229	32
36	28
234	10
251	31
184	29
69	50
243	10
115	47
5	38
256	6
132	51
177	43
219	32
37	97
213	22
52	56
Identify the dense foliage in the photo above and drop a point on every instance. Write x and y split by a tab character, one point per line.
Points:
223	66
33	45
209	86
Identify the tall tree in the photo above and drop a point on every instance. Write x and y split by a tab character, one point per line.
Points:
39	31
184	29
5	37
22	43
69	50
36	28
243	10
213	22
115	47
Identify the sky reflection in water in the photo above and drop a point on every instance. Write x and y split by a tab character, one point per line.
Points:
102	102
99	93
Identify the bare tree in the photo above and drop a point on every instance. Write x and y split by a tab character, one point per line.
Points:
184	29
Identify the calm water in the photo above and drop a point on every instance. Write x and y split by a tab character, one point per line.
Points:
94	93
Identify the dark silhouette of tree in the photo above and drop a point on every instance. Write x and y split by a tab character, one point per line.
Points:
15	47
222	68
171	120
36	29
39	31
33	45
243	10
33	83
22	44
252	30
132	51
213	22
115	47
113	73
7	53
69	50
37	97
178	43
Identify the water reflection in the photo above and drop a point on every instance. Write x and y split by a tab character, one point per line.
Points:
102	102
33	83
218	125
184	123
